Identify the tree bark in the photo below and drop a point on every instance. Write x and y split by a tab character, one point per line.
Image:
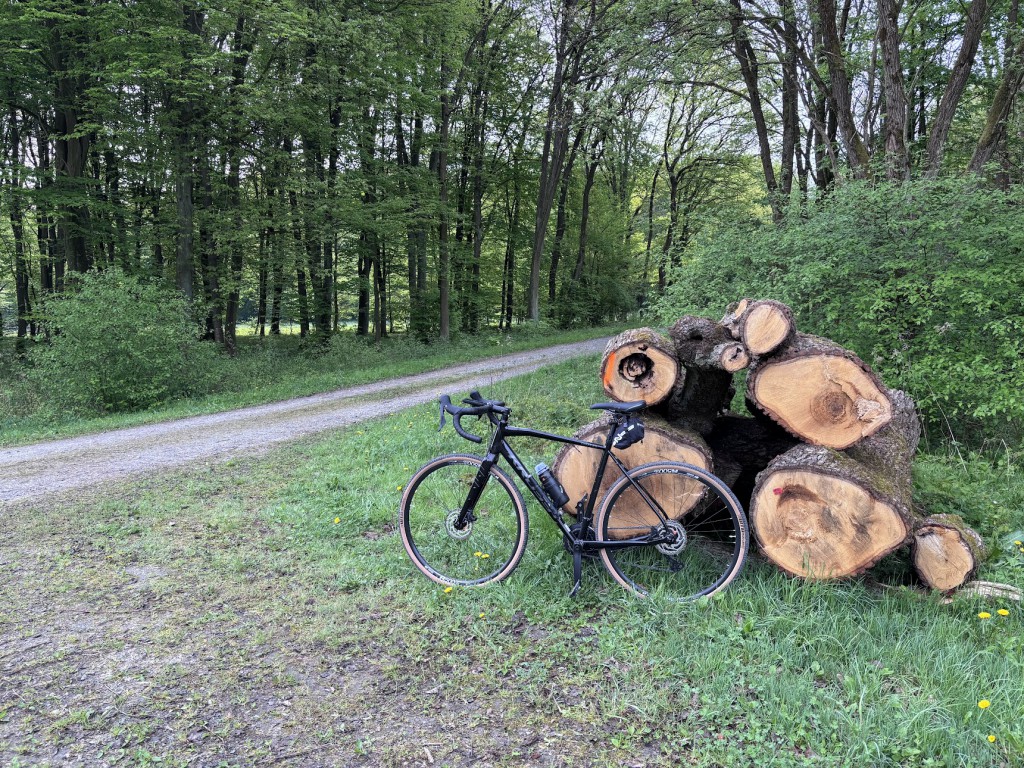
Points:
958	78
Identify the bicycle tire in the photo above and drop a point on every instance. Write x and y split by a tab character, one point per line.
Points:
712	550
489	549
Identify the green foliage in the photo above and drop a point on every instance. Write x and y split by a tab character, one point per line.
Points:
922	280
119	344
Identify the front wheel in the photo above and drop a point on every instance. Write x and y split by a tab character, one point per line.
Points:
703	531
486	549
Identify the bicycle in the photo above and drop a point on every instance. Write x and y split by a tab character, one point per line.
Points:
663	528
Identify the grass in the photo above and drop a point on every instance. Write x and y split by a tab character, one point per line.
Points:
264	612
264	371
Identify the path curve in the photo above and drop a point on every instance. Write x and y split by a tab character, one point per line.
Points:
41	469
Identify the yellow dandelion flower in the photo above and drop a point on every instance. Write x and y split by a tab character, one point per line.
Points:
484	556
399	488
337	520
984	704
478	554
482	615
1003	612
1019	543
984	615
447	590
991	738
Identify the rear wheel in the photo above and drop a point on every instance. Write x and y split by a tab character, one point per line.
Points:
486	549
704	529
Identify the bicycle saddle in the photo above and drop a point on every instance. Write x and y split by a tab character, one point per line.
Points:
633	407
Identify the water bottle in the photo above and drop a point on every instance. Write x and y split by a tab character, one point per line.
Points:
551	486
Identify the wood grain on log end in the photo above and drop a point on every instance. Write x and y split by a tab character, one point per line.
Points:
733	357
639	364
817	513
766	326
946	551
576	466
825	399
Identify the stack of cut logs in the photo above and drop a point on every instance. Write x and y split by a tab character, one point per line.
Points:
823	464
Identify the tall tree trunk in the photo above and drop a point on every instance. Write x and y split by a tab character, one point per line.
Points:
840	89
556	140
897	161
444	255
958	78
747	59
994	131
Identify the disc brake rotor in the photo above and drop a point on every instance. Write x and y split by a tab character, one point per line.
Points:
456	533
678	542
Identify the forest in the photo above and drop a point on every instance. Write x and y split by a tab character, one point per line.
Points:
436	169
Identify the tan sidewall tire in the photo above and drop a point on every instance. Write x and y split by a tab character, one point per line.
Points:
712	481
496	474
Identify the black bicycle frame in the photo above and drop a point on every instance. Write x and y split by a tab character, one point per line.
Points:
499	448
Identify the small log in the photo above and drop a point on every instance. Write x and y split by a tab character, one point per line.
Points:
817	513
733	356
946	552
639	364
766	326
706	391
576	466
733	315
820	392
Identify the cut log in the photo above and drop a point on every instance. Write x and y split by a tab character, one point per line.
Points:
891	449
639	364
706	390
817	513
733	356
765	326
946	552
733	315
820	392
576	466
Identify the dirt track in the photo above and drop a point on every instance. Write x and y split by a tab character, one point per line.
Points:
37	470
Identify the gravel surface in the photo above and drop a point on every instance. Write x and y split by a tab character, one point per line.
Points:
60	465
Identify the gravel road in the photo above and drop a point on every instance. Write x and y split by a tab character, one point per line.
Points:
44	468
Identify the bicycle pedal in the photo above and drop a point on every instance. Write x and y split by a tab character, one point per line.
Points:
575	589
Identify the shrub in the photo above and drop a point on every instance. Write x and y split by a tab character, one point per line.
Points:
119	344
923	280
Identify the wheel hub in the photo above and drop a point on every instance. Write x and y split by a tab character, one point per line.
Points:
676	534
455	532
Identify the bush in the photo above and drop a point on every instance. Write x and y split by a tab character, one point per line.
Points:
119	344
922	280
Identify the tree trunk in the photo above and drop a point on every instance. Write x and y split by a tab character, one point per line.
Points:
999	112
821	513
897	160
958	79
703	392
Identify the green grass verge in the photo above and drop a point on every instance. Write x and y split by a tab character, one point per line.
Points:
282	579
268	370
